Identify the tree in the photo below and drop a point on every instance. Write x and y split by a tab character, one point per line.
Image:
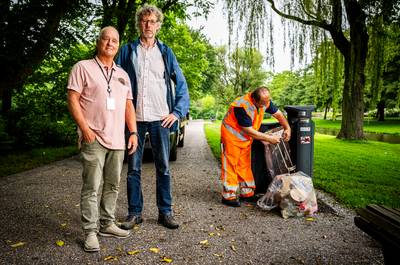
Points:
29	29
345	21
122	13
382	89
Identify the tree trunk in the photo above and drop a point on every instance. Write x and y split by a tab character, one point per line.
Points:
354	77
5	102
380	110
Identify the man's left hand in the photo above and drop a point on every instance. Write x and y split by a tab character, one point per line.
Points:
167	121
132	144
287	134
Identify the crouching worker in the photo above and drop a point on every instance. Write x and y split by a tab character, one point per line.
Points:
100	101
238	129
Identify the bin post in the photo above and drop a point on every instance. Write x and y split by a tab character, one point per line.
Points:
302	140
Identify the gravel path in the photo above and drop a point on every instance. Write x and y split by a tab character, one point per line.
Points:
41	206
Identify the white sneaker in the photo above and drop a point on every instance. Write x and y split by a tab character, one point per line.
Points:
91	243
114	231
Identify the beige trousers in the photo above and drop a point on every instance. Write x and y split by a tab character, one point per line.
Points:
99	165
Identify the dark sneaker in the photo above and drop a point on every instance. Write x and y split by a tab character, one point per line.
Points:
231	203
131	221
168	221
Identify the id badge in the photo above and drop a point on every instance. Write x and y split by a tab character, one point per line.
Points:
110	104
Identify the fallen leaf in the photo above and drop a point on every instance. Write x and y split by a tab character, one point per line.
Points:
218	255
167	260
310	219
155	250
218	234
211	234
63	224
77	205
204	242
60	243
19	244
110	258
133	252
233	248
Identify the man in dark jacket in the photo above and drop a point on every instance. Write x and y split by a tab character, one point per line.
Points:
152	67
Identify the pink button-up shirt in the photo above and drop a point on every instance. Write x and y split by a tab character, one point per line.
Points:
87	79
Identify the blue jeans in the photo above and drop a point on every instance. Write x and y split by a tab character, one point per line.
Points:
159	140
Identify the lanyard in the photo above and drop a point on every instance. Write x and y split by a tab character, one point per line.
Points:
108	80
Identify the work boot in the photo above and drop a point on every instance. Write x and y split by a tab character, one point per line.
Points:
231	203
114	231
168	221
249	199
131	221
91	243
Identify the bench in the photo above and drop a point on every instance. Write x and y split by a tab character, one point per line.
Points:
383	224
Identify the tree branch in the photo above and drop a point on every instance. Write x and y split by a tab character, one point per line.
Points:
320	24
336	32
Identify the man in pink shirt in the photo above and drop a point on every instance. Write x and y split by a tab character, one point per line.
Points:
100	101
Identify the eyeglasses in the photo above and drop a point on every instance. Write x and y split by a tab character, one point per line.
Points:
151	22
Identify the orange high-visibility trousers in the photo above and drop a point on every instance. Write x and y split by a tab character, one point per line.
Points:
236	171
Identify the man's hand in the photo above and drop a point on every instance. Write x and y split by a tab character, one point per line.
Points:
88	136
287	133
272	139
167	121
132	144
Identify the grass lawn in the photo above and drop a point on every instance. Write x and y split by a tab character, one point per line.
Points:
372	126
357	173
15	162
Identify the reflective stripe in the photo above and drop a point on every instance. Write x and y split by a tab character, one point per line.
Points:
249	107
228	196
239	135
246	192
247	184
227	188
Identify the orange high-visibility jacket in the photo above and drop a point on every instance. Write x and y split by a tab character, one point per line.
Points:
231	130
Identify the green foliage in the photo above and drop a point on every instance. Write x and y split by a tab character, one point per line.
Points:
240	71
190	49
372	126
203	108
347	169
14	162
292	88
39	116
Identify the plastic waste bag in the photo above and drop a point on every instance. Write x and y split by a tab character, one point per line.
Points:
293	193
277	156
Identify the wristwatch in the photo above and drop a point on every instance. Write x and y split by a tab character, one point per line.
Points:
133	133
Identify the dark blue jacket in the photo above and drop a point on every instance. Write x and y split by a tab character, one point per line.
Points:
178	99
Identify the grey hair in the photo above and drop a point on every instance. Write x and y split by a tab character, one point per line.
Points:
104	29
146	10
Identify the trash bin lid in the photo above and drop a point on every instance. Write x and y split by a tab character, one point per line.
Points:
301	111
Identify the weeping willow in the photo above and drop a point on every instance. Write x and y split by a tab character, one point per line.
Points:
307	24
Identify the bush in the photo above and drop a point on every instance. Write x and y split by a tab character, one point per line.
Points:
390	113
36	131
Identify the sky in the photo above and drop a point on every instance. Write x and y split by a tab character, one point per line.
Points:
216	29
